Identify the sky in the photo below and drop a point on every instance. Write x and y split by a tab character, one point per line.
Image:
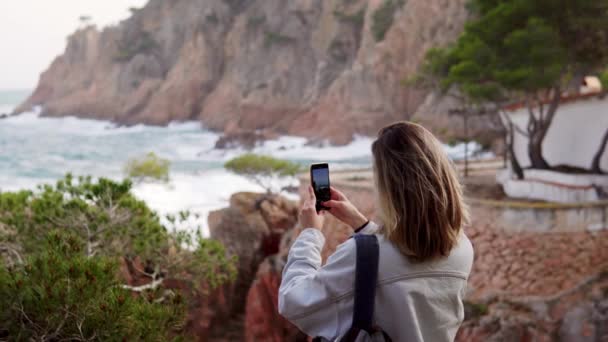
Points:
34	32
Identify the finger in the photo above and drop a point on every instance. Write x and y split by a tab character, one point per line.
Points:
311	193
305	204
336	194
333	204
308	204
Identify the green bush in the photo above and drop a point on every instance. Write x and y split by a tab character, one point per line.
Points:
262	169
254	22
60	249
357	19
234	4
272	38
338	50
213	18
474	310
61	294
604	80
148	167
129	47
382	18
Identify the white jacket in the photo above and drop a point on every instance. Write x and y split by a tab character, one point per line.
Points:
414	301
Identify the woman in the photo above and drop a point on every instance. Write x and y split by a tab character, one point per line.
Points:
425	257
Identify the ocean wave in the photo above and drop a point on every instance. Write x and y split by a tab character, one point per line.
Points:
36	150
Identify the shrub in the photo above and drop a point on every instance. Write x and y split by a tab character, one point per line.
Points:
604	80
148	167
338	50
272	38
61	294
60	277
356	179
234	4
129	47
474	310
262	169
213	18
254	22
383	18
357	19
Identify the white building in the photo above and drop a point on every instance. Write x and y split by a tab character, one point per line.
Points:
573	139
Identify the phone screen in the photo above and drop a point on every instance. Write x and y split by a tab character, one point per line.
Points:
320	182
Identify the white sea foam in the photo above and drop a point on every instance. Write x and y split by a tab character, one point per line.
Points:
6	109
35	150
473	149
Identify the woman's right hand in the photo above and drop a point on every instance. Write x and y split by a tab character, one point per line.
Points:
340	207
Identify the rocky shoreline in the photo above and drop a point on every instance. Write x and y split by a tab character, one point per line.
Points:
309	68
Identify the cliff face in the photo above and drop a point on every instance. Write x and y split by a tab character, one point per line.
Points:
316	68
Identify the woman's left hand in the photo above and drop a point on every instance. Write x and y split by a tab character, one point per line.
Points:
309	218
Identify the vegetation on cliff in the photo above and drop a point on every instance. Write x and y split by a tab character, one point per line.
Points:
383	18
142	43
61	248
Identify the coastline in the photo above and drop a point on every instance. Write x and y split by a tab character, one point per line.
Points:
46	148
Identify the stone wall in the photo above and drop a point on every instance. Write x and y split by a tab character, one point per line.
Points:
554	186
516	217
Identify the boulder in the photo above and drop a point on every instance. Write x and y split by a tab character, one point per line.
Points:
247	139
251	228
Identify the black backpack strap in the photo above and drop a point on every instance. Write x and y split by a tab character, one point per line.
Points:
366	277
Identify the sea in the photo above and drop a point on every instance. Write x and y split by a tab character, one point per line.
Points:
37	150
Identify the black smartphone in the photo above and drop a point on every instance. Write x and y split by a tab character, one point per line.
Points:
319	177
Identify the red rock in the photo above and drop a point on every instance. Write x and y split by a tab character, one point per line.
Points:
262	319
206	307
251	228
499	281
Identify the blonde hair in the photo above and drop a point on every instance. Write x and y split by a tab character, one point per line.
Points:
420	198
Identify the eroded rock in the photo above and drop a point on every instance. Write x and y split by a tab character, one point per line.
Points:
251	228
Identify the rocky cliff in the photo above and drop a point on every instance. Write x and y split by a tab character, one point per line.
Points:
318	68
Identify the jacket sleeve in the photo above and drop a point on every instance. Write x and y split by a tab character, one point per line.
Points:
309	293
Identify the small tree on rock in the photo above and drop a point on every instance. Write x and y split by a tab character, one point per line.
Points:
263	170
85	20
148	167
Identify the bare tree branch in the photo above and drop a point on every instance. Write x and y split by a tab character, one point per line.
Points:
5	247
54	335
149	286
